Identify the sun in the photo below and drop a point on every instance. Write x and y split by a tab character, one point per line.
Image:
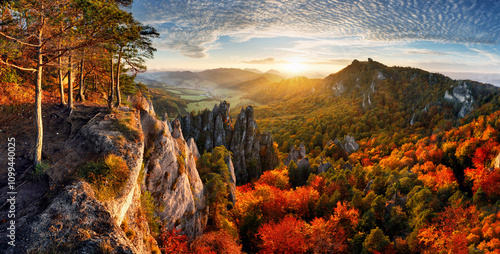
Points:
295	66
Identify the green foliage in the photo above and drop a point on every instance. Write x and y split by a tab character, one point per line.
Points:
298	175
215	175
169	103
39	171
107	176
376	241
150	208
9	75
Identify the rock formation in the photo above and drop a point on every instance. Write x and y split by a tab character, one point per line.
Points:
160	165
350	144
295	155
253	152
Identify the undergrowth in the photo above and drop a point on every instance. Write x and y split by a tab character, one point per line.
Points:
107	176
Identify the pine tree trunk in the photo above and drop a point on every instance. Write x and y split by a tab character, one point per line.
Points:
37	158
111	85
81	96
118	96
70	84
61	85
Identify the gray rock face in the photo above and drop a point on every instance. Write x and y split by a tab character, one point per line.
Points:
140	102
462	95
303	163
74	219
172	177
350	144
295	155
323	167
496	163
302	150
232	180
252	151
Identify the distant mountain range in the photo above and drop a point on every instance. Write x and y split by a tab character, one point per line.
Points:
215	78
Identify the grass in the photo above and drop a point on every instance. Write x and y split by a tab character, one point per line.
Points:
123	125
107	176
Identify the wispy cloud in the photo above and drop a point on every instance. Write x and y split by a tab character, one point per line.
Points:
192	26
269	60
332	62
424	52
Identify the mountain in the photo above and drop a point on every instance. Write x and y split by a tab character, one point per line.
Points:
274	72
367	97
252	70
215	78
264	91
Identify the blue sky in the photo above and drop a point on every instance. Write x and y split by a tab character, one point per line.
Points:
311	36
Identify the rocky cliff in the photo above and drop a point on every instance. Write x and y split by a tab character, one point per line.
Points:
253	151
64	210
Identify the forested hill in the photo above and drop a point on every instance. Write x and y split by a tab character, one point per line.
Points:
367	99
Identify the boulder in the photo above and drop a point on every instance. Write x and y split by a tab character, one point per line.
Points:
350	144
323	167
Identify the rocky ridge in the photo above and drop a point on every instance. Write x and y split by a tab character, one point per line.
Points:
253	152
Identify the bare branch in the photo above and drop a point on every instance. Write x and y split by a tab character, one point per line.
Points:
17	67
18	41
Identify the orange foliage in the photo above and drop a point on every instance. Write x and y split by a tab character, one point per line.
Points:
287	236
215	243
277	178
449	230
332	235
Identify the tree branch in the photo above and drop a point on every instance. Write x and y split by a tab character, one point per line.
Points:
18	41
17	67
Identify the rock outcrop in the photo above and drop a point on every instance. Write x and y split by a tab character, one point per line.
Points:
253	151
295	155
350	144
75	222
323	167
171	177
462	95
160	169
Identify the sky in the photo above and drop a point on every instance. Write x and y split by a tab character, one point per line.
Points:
319	37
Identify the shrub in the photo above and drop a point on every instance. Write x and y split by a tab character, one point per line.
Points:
107	176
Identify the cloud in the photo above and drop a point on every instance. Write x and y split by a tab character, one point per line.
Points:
192	26
424	52
332	62
269	60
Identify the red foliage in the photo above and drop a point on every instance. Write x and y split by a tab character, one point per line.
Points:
215	242
449	229
287	236
491	184
172	242
333	234
366	162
